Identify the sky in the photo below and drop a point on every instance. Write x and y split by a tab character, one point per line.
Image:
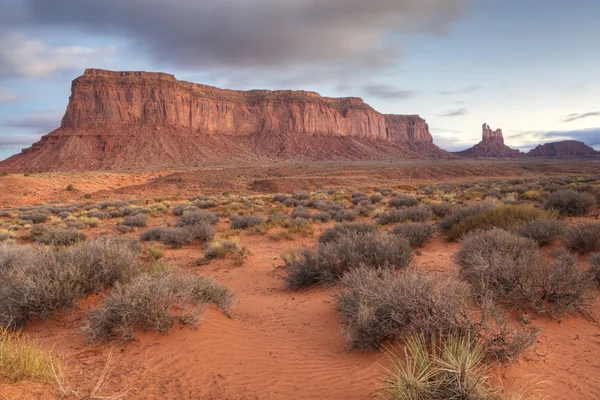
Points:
530	67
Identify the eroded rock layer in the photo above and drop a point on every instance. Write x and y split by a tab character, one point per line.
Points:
118	120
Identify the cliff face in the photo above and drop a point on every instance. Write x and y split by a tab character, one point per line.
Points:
491	145
564	149
152	120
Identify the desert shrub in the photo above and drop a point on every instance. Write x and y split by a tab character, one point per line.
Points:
22	359
125	228
569	202
366	209
5	235
542	230
91	222
328	205
416	233
440	210
403	200
180	208
506	267
595	265
279	198
97	214
301	212
333	258
379	305
504	216
245	221
75	224
5	213
376	198
35	280
60	237
172	237
413	214
583	237
290	202
139	220
304	195
346	229
343	215
321	216
37	216
197	217
116	214
460	214
279	219
450	368
152	234
154	303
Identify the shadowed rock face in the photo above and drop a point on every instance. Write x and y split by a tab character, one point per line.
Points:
152	120
491	145
564	149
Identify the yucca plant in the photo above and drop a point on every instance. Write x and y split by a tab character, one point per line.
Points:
452	367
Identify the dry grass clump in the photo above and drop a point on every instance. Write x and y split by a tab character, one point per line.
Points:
509	268
154	303
570	202
5	235
245	221
438	369
221	248
335	257
413	214
36	280
542	230
403	200
60	237
416	233
21	358
137	220
583	237
504	216
380	305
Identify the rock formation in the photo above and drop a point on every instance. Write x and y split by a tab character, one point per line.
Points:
491	145
118	120
564	149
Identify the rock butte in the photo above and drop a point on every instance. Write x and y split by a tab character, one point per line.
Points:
491	145
121	120
564	149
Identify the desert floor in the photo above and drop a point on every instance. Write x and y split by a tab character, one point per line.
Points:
278	343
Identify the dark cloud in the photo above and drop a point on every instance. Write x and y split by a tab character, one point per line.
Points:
244	34
455	113
575	117
468	89
590	136
388	92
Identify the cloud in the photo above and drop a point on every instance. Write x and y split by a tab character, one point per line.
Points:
575	117
258	34
388	92
8	97
37	122
455	113
530	139
468	89
18	140
22	56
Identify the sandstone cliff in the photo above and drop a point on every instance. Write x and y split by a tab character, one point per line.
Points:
491	145
564	149
118	120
